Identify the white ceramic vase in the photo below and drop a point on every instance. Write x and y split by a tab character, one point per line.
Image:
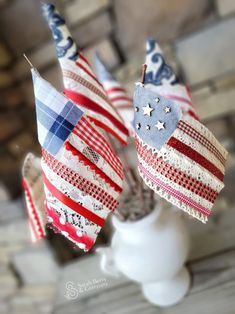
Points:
152	252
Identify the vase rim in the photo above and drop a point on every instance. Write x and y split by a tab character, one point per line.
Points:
146	220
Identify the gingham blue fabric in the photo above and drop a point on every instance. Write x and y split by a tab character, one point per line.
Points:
56	115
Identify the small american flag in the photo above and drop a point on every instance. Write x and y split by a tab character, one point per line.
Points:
81	174
179	158
117	94
81	84
34	196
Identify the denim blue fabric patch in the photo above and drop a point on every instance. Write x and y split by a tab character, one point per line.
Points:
156	117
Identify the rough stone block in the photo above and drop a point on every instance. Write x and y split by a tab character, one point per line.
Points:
201	93
208	53
10	210
164	20
32	298
217	104
6	79
41	57
7	250
79	10
226	82
106	51
23	25
93	30
10	125
4	194
15	232
11	98
225	7
8	284
5	56
36	265
21	144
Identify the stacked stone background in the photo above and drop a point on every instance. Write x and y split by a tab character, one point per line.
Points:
198	38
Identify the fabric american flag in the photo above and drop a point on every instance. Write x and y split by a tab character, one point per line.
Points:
117	94
81	174
80	82
34	195
179	158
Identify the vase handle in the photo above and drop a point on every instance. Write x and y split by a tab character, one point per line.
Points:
107	262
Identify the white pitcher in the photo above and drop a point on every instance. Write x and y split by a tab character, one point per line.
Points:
151	251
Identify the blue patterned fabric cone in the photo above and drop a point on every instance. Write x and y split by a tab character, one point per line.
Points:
117	95
81	84
160	77
82	176
179	158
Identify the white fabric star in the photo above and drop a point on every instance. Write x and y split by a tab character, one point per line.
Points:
160	125
167	109
147	110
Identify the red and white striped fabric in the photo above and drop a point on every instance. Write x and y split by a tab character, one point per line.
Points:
34	196
117	95
80	82
81	174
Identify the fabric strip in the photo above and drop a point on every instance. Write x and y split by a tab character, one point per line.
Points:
73	205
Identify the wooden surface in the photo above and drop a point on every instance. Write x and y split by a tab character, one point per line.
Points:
211	263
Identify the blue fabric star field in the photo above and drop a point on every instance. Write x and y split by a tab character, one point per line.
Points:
156	118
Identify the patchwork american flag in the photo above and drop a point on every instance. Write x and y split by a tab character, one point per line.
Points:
81	174
117	94
34	196
80	82
179	158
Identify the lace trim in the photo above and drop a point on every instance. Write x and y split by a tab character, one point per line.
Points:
76	194
183	164
170	198
80	223
77	237
159	166
170	182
